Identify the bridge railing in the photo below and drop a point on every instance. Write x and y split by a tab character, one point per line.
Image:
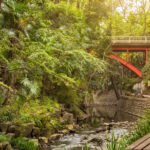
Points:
130	39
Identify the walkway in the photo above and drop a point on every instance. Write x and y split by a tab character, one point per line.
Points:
141	144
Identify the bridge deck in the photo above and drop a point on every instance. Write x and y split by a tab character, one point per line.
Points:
130	41
141	144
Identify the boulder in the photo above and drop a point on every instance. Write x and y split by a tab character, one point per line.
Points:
70	126
26	129
97	141
55	136
35	141
10	135
5	146
14	129
8	147
21	130
65	131
35	132
67	118
4	126
43	140
47	132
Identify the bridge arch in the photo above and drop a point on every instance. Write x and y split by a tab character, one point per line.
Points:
127	64
130	44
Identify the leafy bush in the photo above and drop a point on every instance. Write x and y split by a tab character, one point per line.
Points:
116	143
23	144
41	113
44	53
3	138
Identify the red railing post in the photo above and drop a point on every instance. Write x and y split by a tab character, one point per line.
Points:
127	54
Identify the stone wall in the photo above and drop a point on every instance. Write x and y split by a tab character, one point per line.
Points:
133	105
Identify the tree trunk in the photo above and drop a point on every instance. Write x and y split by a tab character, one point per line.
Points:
115	88
78	3
1	2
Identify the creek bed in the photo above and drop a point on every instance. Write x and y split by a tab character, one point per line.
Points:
78	140
83	136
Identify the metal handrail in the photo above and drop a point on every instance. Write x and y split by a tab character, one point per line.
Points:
131	38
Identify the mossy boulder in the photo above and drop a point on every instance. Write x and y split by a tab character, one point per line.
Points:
35	141
98	141
35	132
10	135
26	129
14	129
55	136
4	126
64	131
43	140
5	146
21	130
67	118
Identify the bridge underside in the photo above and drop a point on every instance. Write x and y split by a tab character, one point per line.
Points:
127	64
129	48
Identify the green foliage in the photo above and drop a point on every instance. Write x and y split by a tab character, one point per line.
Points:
23	144
128	83
44	53
116	143
41	113
3	138
142	128
146	72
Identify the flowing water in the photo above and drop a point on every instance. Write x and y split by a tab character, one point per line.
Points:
83	136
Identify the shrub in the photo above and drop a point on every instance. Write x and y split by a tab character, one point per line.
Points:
3	138
142	128
22	144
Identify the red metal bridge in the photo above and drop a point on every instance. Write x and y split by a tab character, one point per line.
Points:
130	44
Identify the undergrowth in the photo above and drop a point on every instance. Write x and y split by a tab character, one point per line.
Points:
141	129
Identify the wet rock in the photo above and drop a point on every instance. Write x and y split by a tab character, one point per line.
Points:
84	138
97	141
55	136
70	127
43	140
4	126
103	129
35	132
65	131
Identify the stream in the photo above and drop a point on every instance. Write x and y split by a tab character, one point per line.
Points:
84	136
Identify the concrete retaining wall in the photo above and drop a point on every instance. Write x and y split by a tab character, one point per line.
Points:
133	105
